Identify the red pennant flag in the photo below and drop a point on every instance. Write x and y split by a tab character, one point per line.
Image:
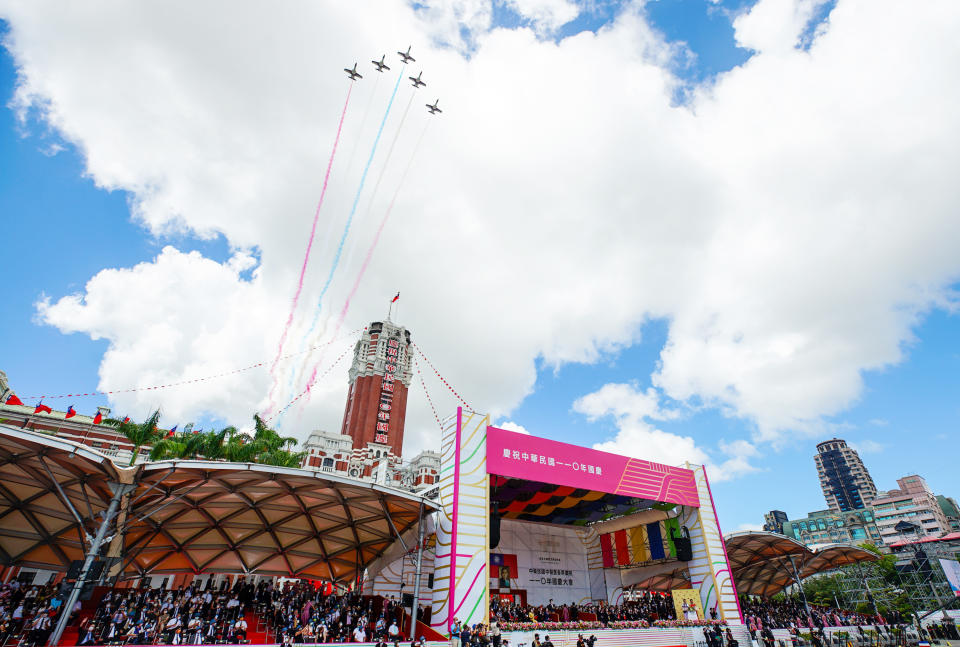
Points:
42	407
70	412
13	399
394	299
97	419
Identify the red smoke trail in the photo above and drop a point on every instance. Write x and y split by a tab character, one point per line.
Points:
370	250
306	256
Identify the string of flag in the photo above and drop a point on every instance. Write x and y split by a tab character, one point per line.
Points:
184	382
442	379
416	365
13	400
310	385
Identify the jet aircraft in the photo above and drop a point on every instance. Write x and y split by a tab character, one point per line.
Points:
381	66
405	56
353	74
433	108
417	83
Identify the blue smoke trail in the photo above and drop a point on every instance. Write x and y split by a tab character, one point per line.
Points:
353	209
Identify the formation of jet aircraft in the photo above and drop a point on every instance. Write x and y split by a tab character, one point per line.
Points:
381	65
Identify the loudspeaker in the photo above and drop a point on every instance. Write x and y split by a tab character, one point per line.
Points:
407	600
95	570
495	525
684	548
73	572
430	581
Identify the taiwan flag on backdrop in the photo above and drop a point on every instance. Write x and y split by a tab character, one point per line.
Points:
503	566
71	412
42	407
97	419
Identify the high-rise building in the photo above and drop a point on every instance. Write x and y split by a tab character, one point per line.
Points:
379	380
773	521
845	481
830	526
913	503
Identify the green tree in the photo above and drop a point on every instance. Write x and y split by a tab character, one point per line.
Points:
145	433
272	448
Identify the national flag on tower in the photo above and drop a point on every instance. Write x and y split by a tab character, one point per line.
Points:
13	399
395	299
97	419
42	407
71	412
172	431
126	418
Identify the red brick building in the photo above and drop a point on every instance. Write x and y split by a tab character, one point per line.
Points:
377	396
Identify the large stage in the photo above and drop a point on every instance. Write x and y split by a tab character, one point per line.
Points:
532	521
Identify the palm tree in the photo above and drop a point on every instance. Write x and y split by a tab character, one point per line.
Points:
272	448
139	435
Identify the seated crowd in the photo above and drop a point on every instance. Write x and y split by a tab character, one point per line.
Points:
300	613
649	607
791	613
27	612
292	612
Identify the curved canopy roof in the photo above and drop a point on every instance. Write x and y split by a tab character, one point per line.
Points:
763	562
193	516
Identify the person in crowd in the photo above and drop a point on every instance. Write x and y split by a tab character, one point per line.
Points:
455	633
546	642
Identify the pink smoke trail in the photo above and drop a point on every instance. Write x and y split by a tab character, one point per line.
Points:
369	255
306	256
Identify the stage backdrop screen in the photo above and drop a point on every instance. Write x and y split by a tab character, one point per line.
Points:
548	562
537	459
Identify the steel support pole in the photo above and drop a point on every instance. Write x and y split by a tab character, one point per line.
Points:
119	489
796	577
416	582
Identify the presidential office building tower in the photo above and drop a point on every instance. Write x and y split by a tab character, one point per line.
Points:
379	381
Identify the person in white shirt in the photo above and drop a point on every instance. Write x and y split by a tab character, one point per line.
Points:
393	631
359	635
240	629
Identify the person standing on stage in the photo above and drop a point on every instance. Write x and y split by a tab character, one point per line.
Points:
546	642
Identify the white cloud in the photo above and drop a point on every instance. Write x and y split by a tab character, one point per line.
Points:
774	25
546	15
632	410
792	224
752	527
512	426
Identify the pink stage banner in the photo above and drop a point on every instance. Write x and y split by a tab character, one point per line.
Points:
538	459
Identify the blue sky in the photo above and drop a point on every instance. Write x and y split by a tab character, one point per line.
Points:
66	230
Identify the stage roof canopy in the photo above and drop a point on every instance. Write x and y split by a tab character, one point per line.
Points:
761	561
561	504
193	516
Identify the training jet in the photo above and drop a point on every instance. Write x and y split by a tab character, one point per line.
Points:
381	66
405	56
433	108
353	74
417	83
